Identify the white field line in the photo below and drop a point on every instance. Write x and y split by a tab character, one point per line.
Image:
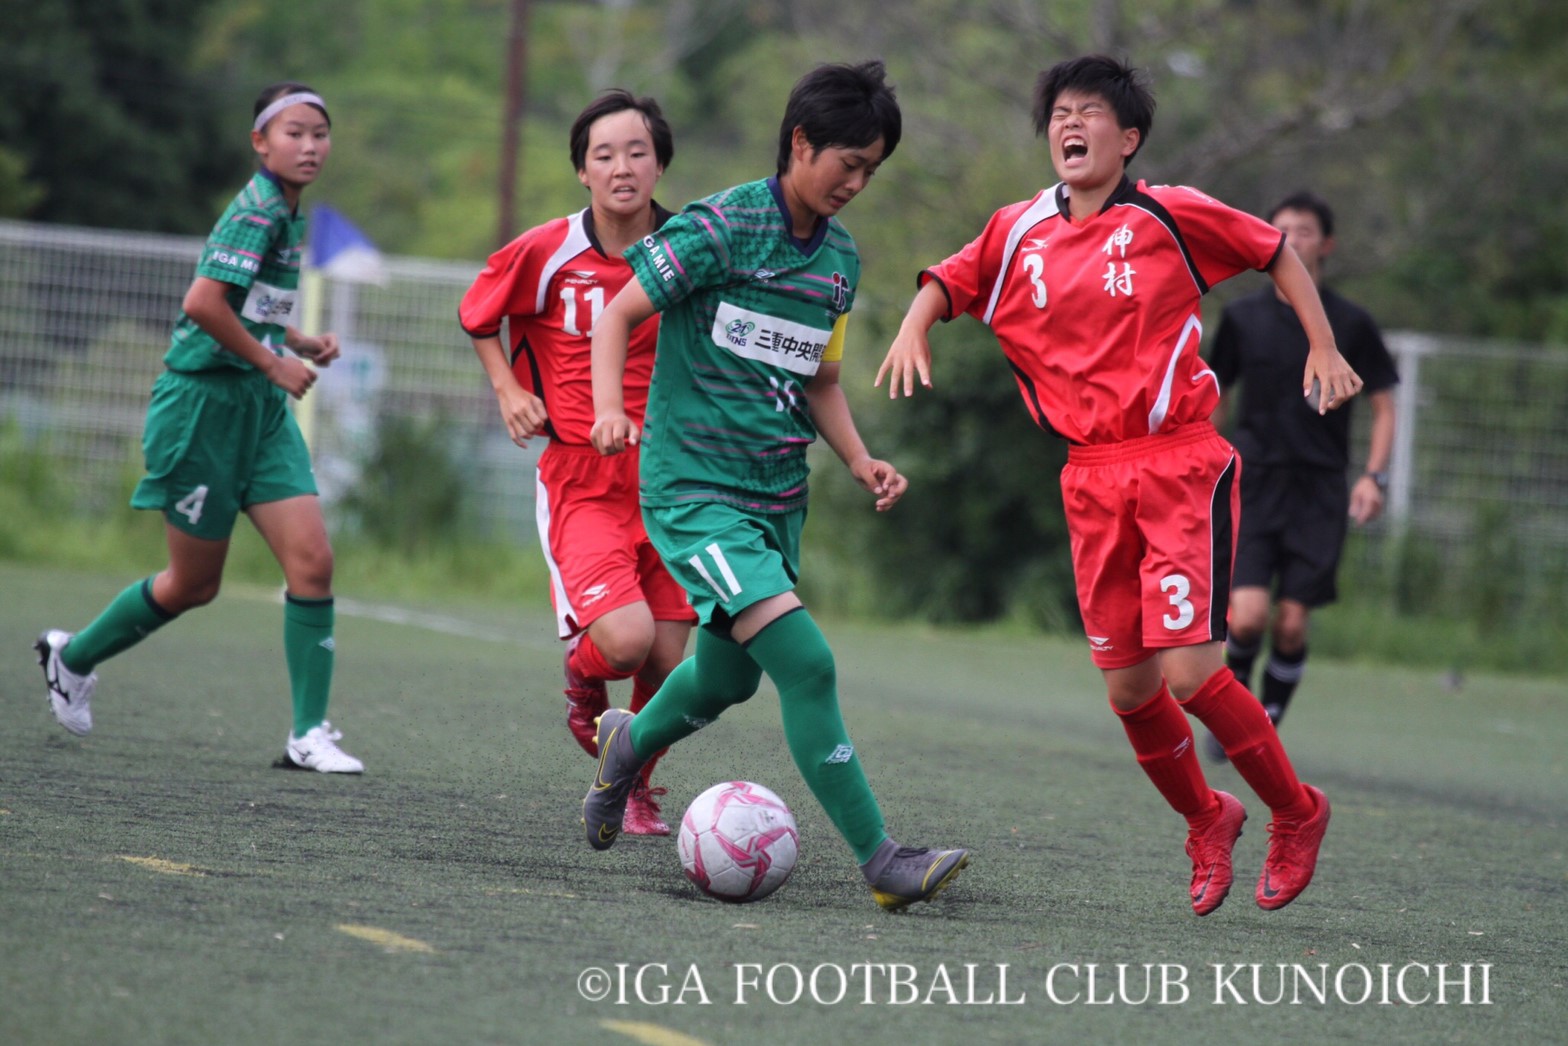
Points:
445	624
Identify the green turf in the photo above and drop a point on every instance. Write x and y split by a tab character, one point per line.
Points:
1447	846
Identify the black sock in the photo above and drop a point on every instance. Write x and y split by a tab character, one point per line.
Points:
1239	658
1280	680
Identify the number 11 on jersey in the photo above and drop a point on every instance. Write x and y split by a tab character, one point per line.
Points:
594	296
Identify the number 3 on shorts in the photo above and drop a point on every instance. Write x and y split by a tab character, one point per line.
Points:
190	505
730	580
1177	587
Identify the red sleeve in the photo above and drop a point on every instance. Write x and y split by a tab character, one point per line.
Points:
1223	240
509	283
959	276
969	276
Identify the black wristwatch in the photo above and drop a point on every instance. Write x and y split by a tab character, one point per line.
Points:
1381	479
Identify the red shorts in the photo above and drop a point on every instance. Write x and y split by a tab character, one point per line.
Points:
599	556
1152	522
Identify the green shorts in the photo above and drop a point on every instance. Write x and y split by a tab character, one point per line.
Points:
724	558
217	443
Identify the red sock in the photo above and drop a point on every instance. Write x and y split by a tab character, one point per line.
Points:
1238	722
641	694
589	663
1162	738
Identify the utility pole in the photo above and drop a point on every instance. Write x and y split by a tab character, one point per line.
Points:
512	120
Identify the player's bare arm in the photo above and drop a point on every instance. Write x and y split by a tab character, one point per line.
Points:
320	349
612	430
836	425
909	357
1337	383
522	412
207	303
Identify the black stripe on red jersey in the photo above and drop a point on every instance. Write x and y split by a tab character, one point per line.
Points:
1222	534
538	384
1032	400
1277	252
920	282
1129	196
471	332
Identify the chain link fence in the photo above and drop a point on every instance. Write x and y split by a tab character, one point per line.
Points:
1480	465
85	318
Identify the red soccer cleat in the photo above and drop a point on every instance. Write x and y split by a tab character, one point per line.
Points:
586	701
642	811
1210	848
1293	855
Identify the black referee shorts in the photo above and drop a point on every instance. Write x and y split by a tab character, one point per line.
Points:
1293	524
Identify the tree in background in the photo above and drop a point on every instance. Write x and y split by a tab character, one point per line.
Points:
105	119
1427	121
1353	99
120	114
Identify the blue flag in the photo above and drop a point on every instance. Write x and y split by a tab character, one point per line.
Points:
339	250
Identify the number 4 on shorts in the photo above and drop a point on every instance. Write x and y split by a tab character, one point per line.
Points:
190	505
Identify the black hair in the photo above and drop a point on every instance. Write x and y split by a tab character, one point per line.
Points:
272	92
842	106
1307	201
1125	89
618	100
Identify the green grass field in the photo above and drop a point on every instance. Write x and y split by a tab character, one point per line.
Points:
160	883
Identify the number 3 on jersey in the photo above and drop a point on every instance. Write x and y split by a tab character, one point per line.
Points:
731	582
1177	587
1034	268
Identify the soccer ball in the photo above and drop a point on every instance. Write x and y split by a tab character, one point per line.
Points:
738	842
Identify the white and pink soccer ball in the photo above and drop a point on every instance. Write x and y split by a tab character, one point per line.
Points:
738	842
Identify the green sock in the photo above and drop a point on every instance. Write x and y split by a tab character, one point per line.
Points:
796	656
719	675
308	649
129	618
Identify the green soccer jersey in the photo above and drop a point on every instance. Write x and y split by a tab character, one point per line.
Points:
748	315
255	247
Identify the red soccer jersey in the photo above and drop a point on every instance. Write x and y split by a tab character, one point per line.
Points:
550	285
1100	320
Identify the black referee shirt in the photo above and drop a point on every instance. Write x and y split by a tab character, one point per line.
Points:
1261	344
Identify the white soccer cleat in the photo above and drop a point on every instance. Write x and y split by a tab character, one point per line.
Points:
70	695
318	750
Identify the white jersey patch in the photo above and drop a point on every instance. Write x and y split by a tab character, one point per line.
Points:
268	304
768	339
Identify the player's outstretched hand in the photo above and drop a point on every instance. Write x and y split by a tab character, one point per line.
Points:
908	359
613	433
881	479
291	375
1330	379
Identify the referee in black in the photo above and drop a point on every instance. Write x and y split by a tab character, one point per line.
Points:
1296	502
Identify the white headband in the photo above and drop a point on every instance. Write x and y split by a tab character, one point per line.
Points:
283	103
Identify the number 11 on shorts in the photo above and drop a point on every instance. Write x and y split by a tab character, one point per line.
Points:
725	572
